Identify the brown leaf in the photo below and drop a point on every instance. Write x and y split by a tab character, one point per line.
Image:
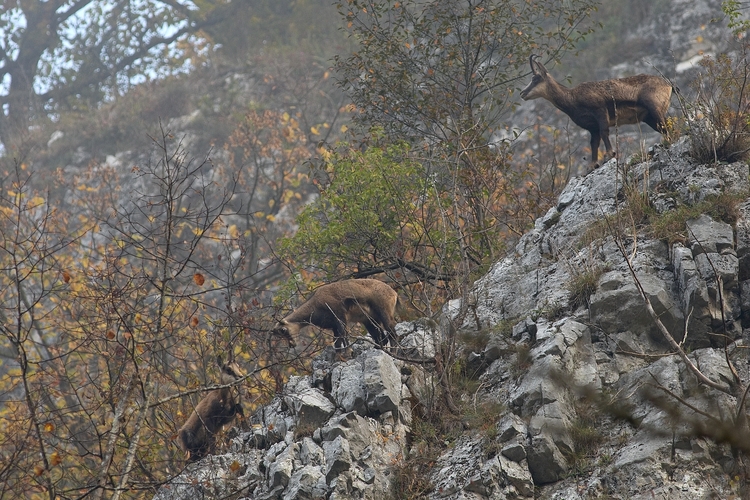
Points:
199	279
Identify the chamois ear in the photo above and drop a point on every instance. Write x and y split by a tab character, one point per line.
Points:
537	67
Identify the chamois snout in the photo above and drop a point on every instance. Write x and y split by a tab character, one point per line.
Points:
282	330
527	89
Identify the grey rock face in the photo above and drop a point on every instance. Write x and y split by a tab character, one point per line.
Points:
348	389
420	339
698	288
382	382
309	405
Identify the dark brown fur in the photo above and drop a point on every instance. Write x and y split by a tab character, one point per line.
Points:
335	305
198	435
596	106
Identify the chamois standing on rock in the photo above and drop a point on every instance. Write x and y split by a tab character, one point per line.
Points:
596	106
197	436
335	305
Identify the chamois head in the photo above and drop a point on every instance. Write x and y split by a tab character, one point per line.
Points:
197	437
287	331
230	371
537	87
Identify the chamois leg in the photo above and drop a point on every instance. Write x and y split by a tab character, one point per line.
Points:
389	331
375	332
340	341
595	138
386	332
610	152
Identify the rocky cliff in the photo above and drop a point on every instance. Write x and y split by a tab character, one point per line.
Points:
592	399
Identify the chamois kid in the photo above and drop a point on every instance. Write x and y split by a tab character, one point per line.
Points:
596	106
197	436
335	305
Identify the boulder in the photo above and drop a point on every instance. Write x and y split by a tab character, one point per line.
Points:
382	382
310	406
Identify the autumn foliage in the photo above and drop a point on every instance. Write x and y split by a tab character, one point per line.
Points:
115	303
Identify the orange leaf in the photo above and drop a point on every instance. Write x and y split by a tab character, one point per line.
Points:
55	459
199	279
66	276
194	321
49	427
235	466
38	470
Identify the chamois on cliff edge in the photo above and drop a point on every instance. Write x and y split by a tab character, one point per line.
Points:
197	436
596	106
335	305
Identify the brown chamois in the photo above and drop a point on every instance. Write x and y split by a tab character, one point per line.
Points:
197	436
335	305
596	106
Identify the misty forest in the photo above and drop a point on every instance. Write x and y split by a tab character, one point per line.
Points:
178	176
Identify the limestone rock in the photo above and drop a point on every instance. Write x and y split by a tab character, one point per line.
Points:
382	382
309	405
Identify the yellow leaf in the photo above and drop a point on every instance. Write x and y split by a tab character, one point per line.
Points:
314	130
49	427
234	466
38	470
55	459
